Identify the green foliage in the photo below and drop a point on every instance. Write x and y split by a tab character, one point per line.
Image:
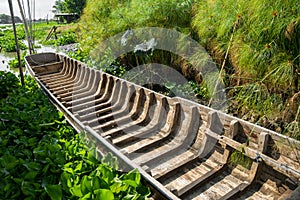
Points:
239	158
41	157
103	19
189	90
116	70
31	154
63	38
293	129
264	53
42	29
8	83
66	38
79	55
69	6
14	63
7	40
100	181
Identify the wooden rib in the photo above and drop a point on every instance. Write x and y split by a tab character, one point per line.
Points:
208	147
78	85
169	130
183	140
121	106
83	92
130	107
89	109
81	87
138	112
102	93
92	89
70	85
141	120
217	188
57	80
69	78
156	124
56	75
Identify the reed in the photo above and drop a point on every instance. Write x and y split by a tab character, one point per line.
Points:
263	65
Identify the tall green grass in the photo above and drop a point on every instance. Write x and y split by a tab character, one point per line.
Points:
264	56
103	19
263	65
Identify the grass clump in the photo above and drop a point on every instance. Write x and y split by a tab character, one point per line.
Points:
264	56
103	19
238	157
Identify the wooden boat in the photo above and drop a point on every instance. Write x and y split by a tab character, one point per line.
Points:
183	150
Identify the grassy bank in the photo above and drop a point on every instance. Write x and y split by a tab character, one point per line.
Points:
261	71
263	39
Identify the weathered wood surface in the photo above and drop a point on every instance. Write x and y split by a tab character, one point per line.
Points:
185	146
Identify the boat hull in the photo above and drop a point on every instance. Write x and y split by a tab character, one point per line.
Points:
184	150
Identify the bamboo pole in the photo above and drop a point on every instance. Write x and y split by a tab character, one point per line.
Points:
16	40
30	23
25	28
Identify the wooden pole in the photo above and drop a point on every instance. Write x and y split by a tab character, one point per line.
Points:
16	40
30	22
25	28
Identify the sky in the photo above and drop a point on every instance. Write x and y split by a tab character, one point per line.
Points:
42	8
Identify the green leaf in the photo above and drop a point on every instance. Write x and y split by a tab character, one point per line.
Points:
131	183
34	166
31	175
9	162
76	191
143	190
18	180
107	173
131	197
99	183
29	188
102	194
70	170
133	178
87	196
78	167
92	158
118	187
54	191
66	181
86	185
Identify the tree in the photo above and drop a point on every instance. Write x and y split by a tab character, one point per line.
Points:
58	7
69	6
6	19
